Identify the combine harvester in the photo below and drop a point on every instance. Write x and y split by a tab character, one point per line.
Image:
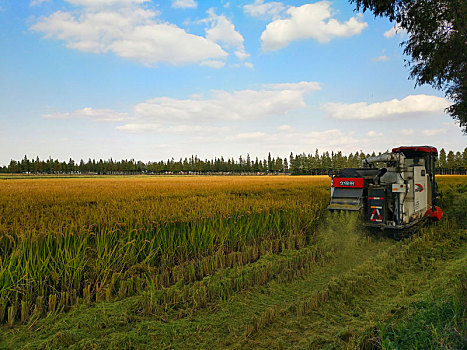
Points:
401	196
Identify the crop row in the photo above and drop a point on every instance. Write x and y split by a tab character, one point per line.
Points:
227	282
53	273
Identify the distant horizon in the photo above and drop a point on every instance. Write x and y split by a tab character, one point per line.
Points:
252	156
242	157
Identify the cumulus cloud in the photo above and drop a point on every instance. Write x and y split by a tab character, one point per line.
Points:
310	21
224	105
213	63
412	104
184	4
284	128
203	114
394	31
104	3
136	128
223	31
332	138
433	132
99	115
302	86
262	10
243	64
139	128
129	31
37	2
256	135
373	133
381	58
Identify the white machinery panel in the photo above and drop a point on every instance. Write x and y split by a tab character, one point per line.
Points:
420	189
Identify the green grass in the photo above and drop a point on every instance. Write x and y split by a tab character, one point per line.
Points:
435	324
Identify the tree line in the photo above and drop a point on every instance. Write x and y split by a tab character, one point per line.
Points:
298	164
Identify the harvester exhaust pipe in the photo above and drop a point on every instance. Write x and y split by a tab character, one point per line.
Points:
385	157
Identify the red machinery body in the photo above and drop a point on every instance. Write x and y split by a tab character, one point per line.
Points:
347	182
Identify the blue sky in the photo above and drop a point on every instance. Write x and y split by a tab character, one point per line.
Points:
152	80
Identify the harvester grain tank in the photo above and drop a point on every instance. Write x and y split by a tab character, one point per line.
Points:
395	190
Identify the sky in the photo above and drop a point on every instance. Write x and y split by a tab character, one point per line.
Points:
152	80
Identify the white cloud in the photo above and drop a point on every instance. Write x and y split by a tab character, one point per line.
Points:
204	115
303	86
139	128
433	132
373	133
37	2
129	31
407	131
213	63
331	139
197	129
223	31
284	128
104	3
243	64
394	31
99	115
269	10
135	128
412	104
223	105
248	136
310	21
184	4
381	58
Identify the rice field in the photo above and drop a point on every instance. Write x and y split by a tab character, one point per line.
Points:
168	251
63	241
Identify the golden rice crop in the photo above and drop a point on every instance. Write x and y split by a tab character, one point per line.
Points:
65	240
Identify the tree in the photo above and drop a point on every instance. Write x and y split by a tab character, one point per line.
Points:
269	163
436	42
13	166
248	163
25	164
451	160
458	160
442	158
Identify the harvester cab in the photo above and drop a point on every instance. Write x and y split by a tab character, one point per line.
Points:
395	190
